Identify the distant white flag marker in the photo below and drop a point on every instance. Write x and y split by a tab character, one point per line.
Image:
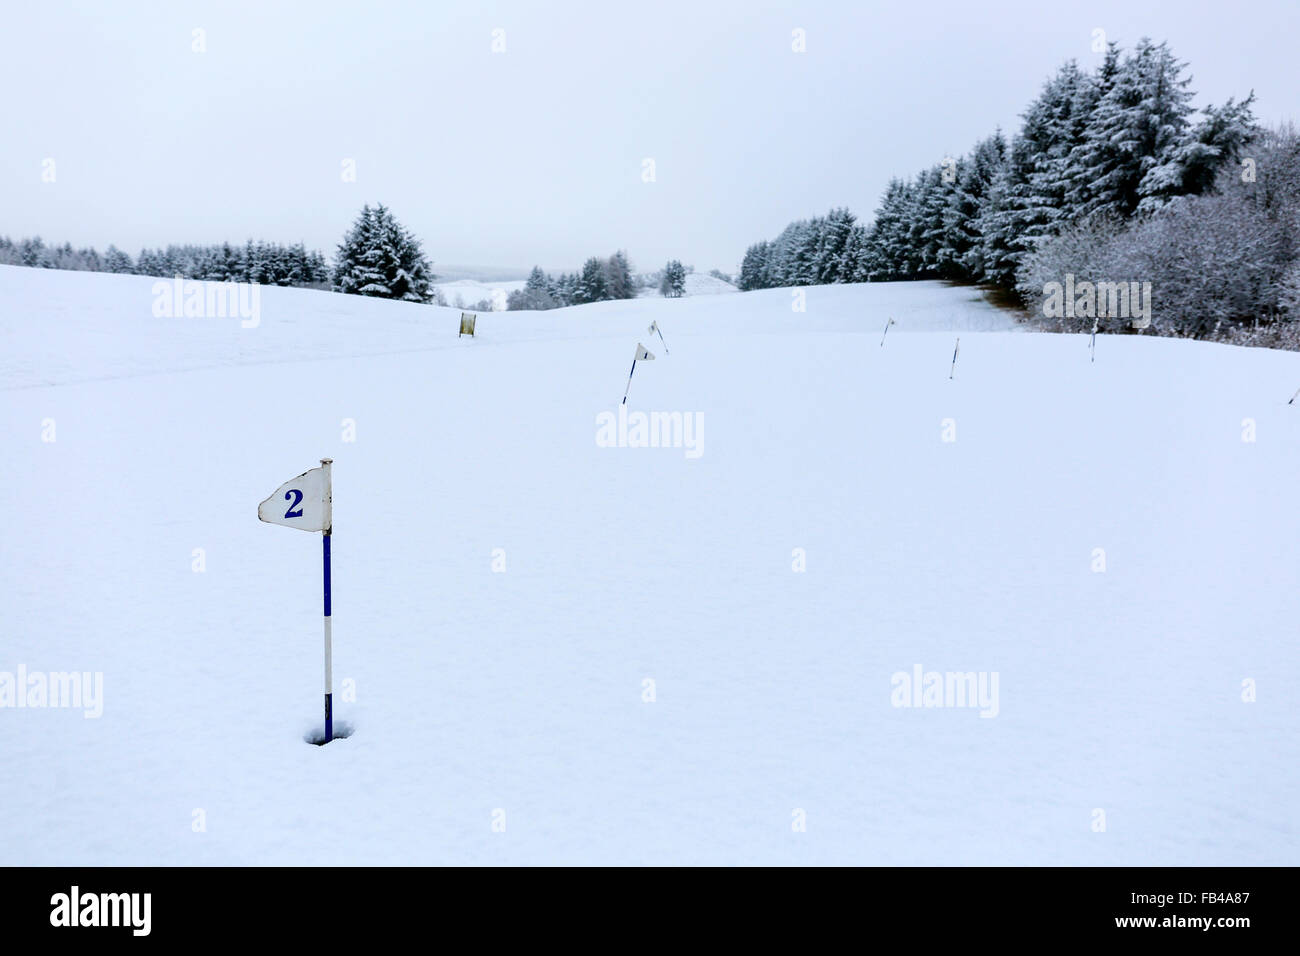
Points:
642	355
306	503
654	327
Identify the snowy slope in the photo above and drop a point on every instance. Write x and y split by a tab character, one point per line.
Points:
699	283
469	292
61	327
523	690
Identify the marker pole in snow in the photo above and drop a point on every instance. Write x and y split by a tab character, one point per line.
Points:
1092	345
1294	397
329	637
955	349
629	382
307	503
882	338
641	354
654	327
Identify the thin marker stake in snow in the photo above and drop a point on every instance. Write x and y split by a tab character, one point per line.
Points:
306	503
1092	346
956	348
654	327
329	634
1294	397
882	338
641	356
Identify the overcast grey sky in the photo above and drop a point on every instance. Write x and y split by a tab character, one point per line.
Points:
535	154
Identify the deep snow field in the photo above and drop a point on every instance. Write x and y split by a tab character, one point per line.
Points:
517	696
469	292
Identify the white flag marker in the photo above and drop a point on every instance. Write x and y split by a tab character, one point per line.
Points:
306	503
654	327
642	355
955	349
887	325
302	502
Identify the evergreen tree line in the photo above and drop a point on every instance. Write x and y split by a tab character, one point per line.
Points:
598	280
1223	263
266	263
1115	152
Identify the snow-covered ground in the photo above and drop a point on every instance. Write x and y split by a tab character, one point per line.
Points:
700	283
519	695
469	292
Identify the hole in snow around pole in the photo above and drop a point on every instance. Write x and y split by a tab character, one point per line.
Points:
342	730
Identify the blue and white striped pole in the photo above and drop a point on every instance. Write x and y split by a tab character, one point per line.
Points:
642	354
329	637
307	503
629	381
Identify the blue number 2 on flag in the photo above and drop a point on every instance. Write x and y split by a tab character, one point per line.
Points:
296	502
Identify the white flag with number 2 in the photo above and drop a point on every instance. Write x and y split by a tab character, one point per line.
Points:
302	503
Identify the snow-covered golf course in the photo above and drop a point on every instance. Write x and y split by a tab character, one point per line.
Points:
549	651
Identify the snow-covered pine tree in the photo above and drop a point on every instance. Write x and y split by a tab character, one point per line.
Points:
889	244
566	289
976	174
378	257
673	283
1213	143
927	230
115	260
538	281
753	268
356	266
836	231
1028	197
407	270
536	293
1055	125
618	277
999	221
590	285
852	265
787	258
1138	126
